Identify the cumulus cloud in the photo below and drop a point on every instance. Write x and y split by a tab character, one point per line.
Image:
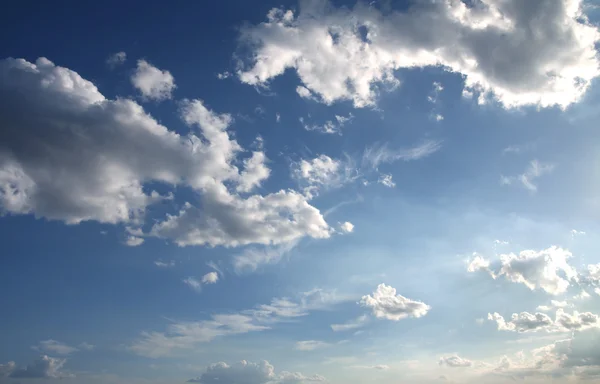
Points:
134	241
116	59
548	269
347	227
70	154
153	83
210	278
455	361
543	53
563	322
44	367
386	304
246	372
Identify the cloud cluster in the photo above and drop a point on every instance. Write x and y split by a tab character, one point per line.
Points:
563	322
67	153
246	372
44	367
548	269
519	53
455	361
386	304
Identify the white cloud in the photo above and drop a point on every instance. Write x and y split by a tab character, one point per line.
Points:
527	178
359	322
547	269
330	126
277	117
164	264
455	361
97	169
252	257
184	336
246	372
193	283
86	346
53	346
210	278
153	83
387	181
563	322
344	54
255	171
347	227
376	155
44	367
196	284
310	345
116	59
134	241
386	304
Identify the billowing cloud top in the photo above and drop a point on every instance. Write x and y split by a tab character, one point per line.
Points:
520	53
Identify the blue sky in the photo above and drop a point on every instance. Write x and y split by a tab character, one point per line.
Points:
300	192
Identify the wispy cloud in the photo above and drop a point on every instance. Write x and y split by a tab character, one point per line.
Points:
378	154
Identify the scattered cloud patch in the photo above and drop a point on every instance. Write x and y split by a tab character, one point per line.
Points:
116	59
251	373
310	345
359	322
347	227
134	241
527	179
455	361
386	304
386	180
153	83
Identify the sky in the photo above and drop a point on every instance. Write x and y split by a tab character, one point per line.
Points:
342	192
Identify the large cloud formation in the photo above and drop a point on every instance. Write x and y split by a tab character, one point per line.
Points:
68	153
533	52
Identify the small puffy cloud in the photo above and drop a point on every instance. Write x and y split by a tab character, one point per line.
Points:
320	170
386	180
86	346
210	278
44	367
310	345
455	361
116	59
134	241
359	322
548	269
153	83
246	372
347	227
386	304
352	53
55	347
